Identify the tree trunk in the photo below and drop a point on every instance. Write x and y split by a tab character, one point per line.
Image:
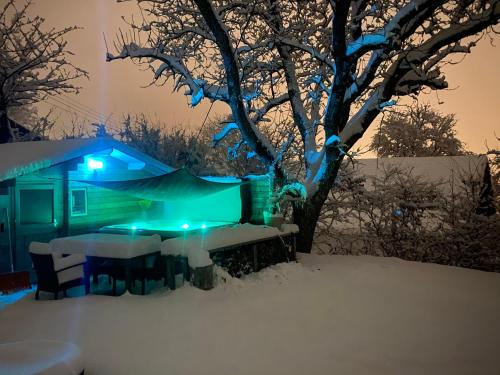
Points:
306	217
5	131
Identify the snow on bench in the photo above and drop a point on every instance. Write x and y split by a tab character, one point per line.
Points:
118	246
197	247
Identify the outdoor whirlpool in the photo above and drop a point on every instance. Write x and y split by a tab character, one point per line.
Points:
165	228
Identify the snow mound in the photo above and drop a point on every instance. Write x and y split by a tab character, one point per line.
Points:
322	315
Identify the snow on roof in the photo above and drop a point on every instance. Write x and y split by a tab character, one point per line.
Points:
437	169
17	159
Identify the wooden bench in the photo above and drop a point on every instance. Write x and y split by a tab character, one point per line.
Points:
182	252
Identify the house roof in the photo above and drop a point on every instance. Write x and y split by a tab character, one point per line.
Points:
17	159
437	169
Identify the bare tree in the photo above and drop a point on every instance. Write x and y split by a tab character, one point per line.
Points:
333	65
417	131
40	124
33	62
495	169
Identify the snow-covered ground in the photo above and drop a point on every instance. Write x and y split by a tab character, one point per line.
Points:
324	315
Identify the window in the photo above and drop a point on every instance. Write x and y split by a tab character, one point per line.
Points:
78	202
36	206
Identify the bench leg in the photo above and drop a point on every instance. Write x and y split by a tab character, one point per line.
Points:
86	281
143	284
128	284
170	272
255	250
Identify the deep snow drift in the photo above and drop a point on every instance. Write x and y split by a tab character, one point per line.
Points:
324	315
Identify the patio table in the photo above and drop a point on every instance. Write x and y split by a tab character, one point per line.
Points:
121	251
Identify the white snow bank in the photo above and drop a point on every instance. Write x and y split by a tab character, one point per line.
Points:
325	315
42	357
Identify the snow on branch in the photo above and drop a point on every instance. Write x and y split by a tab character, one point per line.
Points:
396	30
410	72
323	57
328	67
33	60
229	128
389	103
252	136
333	140
366	42
172	66
268	106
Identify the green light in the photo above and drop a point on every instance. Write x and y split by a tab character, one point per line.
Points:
203	226
185	226
94	164
134	227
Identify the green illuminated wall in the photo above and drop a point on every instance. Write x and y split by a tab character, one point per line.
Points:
256	193
223	206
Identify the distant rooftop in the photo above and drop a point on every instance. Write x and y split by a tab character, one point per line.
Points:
434	169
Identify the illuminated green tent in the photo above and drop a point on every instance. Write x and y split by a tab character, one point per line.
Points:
179	184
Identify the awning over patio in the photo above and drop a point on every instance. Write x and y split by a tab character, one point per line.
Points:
179	184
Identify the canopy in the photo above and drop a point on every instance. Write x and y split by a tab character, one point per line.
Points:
179	184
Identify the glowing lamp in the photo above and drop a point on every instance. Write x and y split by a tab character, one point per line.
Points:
203	226
134	227
185	226
93	164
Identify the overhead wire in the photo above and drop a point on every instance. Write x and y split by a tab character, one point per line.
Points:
89	116
87	108
96	116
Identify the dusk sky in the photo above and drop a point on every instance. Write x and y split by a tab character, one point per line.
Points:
117	88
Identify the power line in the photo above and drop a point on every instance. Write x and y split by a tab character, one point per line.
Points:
81	105
67	110
96	116
75	110
72	111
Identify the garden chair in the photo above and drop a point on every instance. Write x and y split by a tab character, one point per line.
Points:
56	273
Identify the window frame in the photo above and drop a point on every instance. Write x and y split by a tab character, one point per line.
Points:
21	187
71	190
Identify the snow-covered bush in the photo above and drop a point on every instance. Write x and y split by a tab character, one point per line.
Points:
399	214
175	146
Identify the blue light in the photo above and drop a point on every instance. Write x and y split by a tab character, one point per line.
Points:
203	226
134	227
94	164
185	226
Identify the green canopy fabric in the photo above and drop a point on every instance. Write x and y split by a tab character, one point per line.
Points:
179	184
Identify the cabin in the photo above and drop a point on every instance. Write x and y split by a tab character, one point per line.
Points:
51	189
